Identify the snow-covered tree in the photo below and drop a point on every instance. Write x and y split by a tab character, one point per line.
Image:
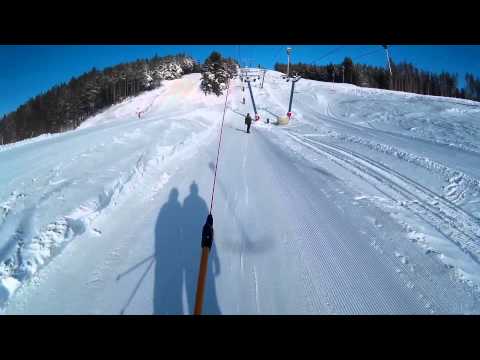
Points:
216	73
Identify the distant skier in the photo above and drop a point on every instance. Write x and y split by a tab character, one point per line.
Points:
248	122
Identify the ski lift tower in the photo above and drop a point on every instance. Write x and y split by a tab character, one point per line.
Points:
248	75
284	120
388	62
287	75
388	58
294	80
289	52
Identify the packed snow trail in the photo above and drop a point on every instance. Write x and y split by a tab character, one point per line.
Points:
303	225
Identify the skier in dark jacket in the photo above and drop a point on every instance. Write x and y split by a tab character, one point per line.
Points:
248	122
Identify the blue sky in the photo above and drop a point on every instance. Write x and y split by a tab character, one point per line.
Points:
27	70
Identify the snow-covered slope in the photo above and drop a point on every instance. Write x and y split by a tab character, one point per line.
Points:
53	187
367	202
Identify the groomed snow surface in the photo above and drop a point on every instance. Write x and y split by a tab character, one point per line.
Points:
368	202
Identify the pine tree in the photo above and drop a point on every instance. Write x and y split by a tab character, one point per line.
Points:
349	70
216	72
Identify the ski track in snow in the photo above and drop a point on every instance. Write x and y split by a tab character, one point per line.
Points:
450	220
439	207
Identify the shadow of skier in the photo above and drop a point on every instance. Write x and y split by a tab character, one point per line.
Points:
195	212
177	256
169	254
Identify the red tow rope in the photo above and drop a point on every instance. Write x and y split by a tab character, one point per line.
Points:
219	143
207	232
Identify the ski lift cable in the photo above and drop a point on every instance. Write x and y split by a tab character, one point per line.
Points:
277	54
207	232
331	52
218	150
250	58
254	53
366	54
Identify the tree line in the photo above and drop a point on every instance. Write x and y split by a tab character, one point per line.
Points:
67	105
405	77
